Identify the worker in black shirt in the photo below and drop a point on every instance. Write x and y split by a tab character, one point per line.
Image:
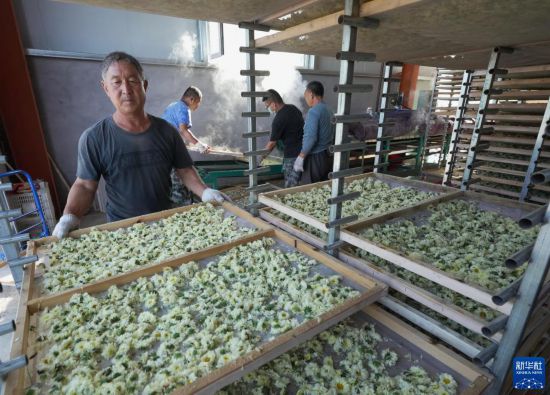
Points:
287	128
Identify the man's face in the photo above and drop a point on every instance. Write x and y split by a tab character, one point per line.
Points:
125	88
308	96
194	103
268	104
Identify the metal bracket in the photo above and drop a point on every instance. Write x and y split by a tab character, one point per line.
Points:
344	198
14	364
254	26
356	56
353	88
345	173
358	21
341	221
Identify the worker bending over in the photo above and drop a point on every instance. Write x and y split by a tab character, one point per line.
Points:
287	128
132	150
178	114
314	159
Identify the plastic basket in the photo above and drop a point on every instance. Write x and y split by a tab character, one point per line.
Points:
22	198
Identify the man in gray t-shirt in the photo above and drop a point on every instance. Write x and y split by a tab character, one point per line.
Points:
132	150
140	163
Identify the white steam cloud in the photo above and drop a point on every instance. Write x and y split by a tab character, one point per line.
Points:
223	126
183	51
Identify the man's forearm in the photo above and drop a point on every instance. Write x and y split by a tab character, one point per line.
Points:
190	178
188	135
307	144
269	146
79	200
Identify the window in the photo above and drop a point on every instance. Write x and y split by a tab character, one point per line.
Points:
215	40
211	45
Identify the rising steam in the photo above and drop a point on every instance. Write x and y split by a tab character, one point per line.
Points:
224	125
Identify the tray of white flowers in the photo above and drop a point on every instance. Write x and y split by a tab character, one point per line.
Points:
100	252
461	243
372	352
380	193
452	309
294	227
190	324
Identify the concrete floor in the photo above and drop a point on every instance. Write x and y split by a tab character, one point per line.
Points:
9	298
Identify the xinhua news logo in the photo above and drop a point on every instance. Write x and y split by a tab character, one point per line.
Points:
529	373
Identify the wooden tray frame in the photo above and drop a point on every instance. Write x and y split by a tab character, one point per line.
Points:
479	378
36	245
268	199
420	295
350	235
23	340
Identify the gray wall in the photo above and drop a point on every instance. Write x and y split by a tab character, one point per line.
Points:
57	26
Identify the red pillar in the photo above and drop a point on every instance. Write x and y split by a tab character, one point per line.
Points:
409	77
18	106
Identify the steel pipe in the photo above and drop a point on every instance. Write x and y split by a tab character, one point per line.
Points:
254	94
345	173
507	293
358	21
341	221
260	51
254	26
255	114
16	363
486	355
541	177
494	326
255	73
353	88
14	239
255	134
343	198
25	260
519	258
10	213
257	170
533	218
356	56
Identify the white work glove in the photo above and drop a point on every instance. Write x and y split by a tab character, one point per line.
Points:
299	164
66	223
210	195
203	148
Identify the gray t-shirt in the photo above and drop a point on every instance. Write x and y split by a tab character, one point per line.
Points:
136	166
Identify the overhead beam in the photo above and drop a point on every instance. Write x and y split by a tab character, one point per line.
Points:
297	31
371	8
286	11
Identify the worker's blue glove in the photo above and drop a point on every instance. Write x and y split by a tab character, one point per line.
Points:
299	164
66	223
210	195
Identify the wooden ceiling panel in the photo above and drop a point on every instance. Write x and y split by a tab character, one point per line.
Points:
303	11
227	11
450	33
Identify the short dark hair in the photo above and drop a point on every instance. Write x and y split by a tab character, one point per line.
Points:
274	96
192	92
316	88
119	56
